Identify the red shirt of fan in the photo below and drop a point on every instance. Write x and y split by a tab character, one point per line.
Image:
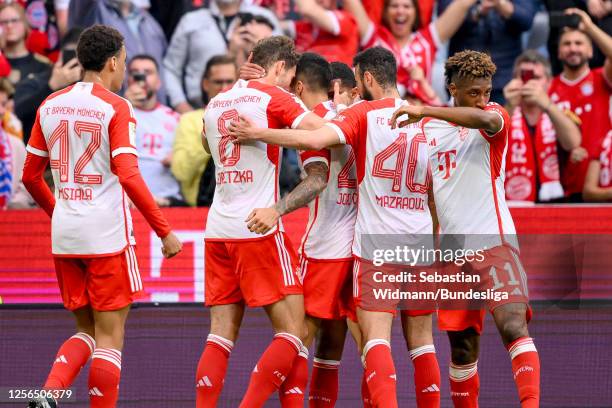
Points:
588	97
339	45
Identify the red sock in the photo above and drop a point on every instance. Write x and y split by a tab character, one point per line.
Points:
381	377
464	385
366	399
70	358
291	391
323	384
426	376
211	370
365	392
526	369
271	370
104	375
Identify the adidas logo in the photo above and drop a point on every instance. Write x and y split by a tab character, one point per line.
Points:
95	392
61	359
204	382
294	390
517	292
369	377
431	388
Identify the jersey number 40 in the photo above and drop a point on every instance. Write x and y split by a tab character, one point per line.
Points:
399	148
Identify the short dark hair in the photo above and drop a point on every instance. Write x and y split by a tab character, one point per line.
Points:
273	49
146	57
344	73
469	64
96	45
379	62
314	70
218	60
534	57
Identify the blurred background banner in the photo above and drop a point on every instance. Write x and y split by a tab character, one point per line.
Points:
565	250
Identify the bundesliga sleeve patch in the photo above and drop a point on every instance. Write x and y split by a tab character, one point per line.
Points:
132	133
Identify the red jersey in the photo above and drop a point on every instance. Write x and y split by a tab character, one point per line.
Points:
605	162
589	98
339	45
419	51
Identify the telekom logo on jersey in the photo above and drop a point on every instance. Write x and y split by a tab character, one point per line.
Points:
446	162
153	142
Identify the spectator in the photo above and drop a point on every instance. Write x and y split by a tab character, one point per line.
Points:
48	21
169	13
537	126
8	120
191	165
12	156
23	63
584	92
601	11
598	181
326	31
414	48
156	124
245	37
199	36
494	26
31	92
142	33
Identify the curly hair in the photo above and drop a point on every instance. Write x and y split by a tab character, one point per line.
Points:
96	45
469	64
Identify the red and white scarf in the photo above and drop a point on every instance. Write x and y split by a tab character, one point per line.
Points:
528	161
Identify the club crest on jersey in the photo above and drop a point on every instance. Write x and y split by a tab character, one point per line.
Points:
463	133
587	89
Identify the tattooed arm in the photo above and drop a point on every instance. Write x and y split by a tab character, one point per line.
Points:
261	220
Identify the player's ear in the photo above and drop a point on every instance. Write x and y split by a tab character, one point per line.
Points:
452	89
278	67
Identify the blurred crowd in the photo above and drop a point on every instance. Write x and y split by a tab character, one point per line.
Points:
554	76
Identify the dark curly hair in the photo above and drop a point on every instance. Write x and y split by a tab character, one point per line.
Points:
469	64
96	45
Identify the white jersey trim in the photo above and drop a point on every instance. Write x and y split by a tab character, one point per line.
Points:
36	151
335	22
121	150
338	132
299	119
314	160
434	34
500	129
369	34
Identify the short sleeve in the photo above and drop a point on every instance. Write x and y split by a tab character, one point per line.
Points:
286	108
350	124
311	156
344	23
122	130
498	109
37	144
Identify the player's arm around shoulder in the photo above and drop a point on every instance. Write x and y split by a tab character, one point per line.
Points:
244	130
262	220
492	119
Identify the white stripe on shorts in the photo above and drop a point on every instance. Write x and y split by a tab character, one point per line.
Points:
286	270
